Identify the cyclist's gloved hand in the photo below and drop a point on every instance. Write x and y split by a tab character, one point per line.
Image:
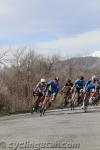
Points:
34	93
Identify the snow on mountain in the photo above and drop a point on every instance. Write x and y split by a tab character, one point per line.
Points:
96	54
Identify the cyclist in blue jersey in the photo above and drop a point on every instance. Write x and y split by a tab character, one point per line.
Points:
79	84
89	87
53	87
91	84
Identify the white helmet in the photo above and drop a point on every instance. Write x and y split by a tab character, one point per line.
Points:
94	77
43	80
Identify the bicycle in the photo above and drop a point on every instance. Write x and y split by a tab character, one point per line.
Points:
47	103
73	100
86	101
38	102
77	99
94	98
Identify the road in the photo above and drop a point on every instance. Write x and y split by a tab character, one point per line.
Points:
58	130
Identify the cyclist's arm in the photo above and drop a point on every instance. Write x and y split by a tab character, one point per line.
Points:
47	86
63	88
37	86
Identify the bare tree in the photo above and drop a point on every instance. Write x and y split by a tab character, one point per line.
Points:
4	56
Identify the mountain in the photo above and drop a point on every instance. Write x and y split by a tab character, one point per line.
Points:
80	63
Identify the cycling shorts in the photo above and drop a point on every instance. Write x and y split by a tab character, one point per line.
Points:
49	93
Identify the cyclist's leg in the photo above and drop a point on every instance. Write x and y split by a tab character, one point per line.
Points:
86	101
52	98
41	101
96	98
45	102
77	97
66	99
46	99
72	101
44	105
36	106
84	98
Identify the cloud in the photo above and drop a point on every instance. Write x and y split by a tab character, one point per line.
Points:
72	26
61	17
81	44
84	44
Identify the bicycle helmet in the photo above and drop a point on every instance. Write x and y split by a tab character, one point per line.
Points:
57	78
81	78
94	78
69	80
43	80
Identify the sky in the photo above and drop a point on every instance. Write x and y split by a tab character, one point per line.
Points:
64	27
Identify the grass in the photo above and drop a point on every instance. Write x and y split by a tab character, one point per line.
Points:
13	113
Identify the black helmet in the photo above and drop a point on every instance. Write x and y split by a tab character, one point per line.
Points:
69	80
81	78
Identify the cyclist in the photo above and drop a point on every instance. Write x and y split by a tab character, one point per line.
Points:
89	87
91	84
39	91
66	89
53	87
79	84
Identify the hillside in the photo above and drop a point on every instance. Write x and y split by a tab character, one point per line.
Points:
81	63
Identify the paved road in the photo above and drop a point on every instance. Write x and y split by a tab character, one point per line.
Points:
60	130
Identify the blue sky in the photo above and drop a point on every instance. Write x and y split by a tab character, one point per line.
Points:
64	27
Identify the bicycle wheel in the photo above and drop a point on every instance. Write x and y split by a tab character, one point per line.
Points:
42	111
